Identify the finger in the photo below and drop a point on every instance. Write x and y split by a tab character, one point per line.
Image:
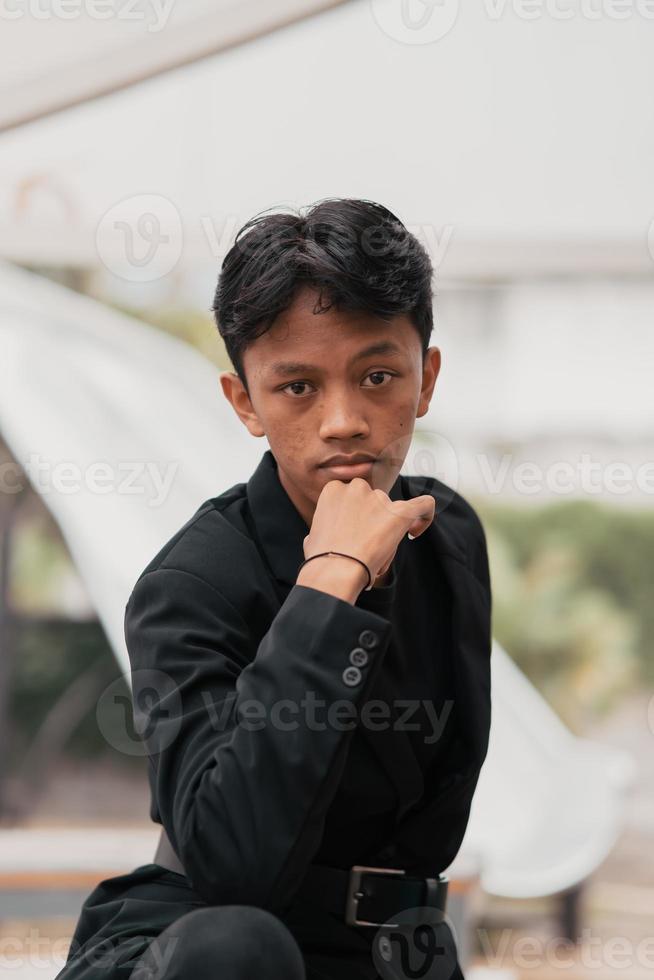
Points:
418	511
426	507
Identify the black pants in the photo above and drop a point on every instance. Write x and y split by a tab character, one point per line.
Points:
241	942
233	942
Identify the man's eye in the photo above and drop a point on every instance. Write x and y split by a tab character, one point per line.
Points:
294	384
372	373
303	384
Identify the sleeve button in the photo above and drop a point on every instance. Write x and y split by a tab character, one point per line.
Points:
351	676
358	657
368	639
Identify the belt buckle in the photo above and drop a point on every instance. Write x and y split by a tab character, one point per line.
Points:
354	893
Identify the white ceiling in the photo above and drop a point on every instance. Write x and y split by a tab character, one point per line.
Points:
509	144
60	53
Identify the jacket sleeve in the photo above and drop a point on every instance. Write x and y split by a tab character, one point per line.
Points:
246	744
479	553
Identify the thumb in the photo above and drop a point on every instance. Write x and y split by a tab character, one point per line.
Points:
424	509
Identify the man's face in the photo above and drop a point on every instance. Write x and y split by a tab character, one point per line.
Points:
315	394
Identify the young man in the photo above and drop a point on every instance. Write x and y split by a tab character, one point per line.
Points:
312	684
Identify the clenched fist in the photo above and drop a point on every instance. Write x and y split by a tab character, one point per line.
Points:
355	519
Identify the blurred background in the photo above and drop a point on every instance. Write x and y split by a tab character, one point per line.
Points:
516	140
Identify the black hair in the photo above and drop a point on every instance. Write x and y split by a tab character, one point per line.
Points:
356	252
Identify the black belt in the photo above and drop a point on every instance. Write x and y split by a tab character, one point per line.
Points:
363	896
372	896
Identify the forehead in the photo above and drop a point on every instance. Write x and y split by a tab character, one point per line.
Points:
299	337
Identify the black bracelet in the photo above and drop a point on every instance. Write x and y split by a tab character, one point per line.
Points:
368	586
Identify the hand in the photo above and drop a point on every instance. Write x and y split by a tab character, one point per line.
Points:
355	519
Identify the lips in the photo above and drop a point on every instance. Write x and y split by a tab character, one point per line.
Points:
348	460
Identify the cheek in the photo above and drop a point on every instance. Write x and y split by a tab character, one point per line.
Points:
291	441
404	410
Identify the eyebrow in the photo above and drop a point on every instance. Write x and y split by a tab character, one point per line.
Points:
286	368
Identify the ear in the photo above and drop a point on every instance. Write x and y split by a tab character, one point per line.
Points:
430	372
235	393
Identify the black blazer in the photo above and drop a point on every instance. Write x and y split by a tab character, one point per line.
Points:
225	650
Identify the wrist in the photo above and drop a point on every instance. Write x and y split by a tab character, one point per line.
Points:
336	574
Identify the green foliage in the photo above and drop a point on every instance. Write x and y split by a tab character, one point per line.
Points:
570	600
40	565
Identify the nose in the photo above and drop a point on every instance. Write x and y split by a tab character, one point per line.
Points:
341	417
